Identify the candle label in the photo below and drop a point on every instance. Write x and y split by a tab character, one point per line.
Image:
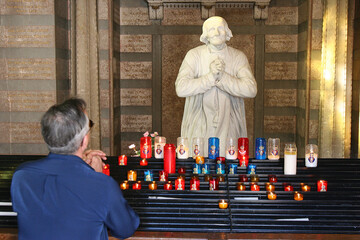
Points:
205	168
251	169
196	168
148	175
311	159
233	169
274	153
213	148
159	151
197	151
231	153
260	148
180	184
220	168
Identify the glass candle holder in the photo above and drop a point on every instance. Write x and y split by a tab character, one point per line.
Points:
122	160
168	186
260	148
124	185
220	168
305	188
145	147
180	183
271	195
223	204
322	186
243	178
311	155
207	178
194	183
270	187
272	178
182	149
231	149
213	184
220	178
255	187
273	146
153	185
106	169
159	144
205	168
298	196
290	159
163	176
136	185
200	160
197	147
254	178
196	168
169	158
288	188
240	186
148	175
181	170
243	152
251	169
132	175
232	168
143	162
221	160
213	148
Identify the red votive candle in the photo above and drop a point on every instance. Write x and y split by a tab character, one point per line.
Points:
124	185
153	185
255	187
122	160
288	187
168	186
272	178
220	160
181	170
169	158
106	169
243	178
143	162
180	183
322	186
194	183
243	152
137	185
163	176
213	184
145	147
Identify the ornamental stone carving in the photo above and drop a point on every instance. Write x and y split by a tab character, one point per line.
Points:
156	7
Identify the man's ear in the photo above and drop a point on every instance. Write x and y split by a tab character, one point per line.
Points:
85	142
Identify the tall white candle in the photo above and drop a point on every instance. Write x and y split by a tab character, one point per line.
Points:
290	159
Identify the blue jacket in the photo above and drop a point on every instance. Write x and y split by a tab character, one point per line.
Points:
62	197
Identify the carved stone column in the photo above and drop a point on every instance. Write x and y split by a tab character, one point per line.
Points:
335	86
87	73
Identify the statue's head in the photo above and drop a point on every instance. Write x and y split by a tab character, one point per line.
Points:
215	31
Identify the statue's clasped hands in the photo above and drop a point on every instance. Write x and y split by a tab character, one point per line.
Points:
217	68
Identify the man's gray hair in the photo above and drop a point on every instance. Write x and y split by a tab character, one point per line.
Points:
65	125
204	35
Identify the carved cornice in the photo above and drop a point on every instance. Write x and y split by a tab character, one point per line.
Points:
156	7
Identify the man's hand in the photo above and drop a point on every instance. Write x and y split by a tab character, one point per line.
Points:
94	159
217	68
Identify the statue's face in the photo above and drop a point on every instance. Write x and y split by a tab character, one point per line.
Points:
216	32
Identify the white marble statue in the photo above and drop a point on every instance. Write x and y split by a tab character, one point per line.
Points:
214	78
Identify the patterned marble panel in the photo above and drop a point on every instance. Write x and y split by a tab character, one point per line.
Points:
103	69
182	16
104	98
5	132
301	98
280	97
23	101
135	70
280	71
302	41
316	39
29	69
316	69
103	7
303	12
279	124
282	16
135	43
34	7
313	129
62	8
236	16
27	36
281	43
105	127
174	49
103	39
25	133
314	99
62	38
246	44
134	16
135	97
318	9
125	147
136	123
4	101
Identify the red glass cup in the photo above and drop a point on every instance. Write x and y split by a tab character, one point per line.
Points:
137	185
180	183
220	160
145	147
213	184
321	186
163	176
168	186
272	178
181	170
194	183
106	169
143	162
122	160
243	152
243	178
169	158
255	187
288	187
